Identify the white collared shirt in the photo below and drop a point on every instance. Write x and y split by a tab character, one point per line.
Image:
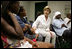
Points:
41	24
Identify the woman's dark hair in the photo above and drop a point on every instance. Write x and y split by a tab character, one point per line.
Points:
68	15
6	5
21	10
13	6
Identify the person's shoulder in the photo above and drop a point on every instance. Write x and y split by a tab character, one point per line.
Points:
66	19
42	16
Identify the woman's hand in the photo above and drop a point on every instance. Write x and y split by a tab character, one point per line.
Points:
28	25
34	44
51	34
63	25
25	28
33	30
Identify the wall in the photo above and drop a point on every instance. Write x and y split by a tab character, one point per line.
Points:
30	8
59	6
54	5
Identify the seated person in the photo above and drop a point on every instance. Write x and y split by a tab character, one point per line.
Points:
67	20
28	31
42	24
22	14
59	26
24	26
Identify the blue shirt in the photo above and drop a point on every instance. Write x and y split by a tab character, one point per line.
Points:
22	24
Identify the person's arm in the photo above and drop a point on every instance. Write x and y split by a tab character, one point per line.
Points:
17	27
30	41
68	22
36	36
56	24
34	26
36	23
63	25
9	29
28	25
34	44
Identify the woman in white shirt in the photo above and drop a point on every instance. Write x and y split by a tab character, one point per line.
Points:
42	24
59	26
67	20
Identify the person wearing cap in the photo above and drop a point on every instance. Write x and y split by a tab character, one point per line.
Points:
42	24
59	26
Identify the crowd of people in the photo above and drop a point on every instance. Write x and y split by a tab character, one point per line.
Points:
17	32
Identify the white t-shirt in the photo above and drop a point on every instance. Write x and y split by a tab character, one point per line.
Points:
66	20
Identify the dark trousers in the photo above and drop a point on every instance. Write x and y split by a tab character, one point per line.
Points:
67	34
